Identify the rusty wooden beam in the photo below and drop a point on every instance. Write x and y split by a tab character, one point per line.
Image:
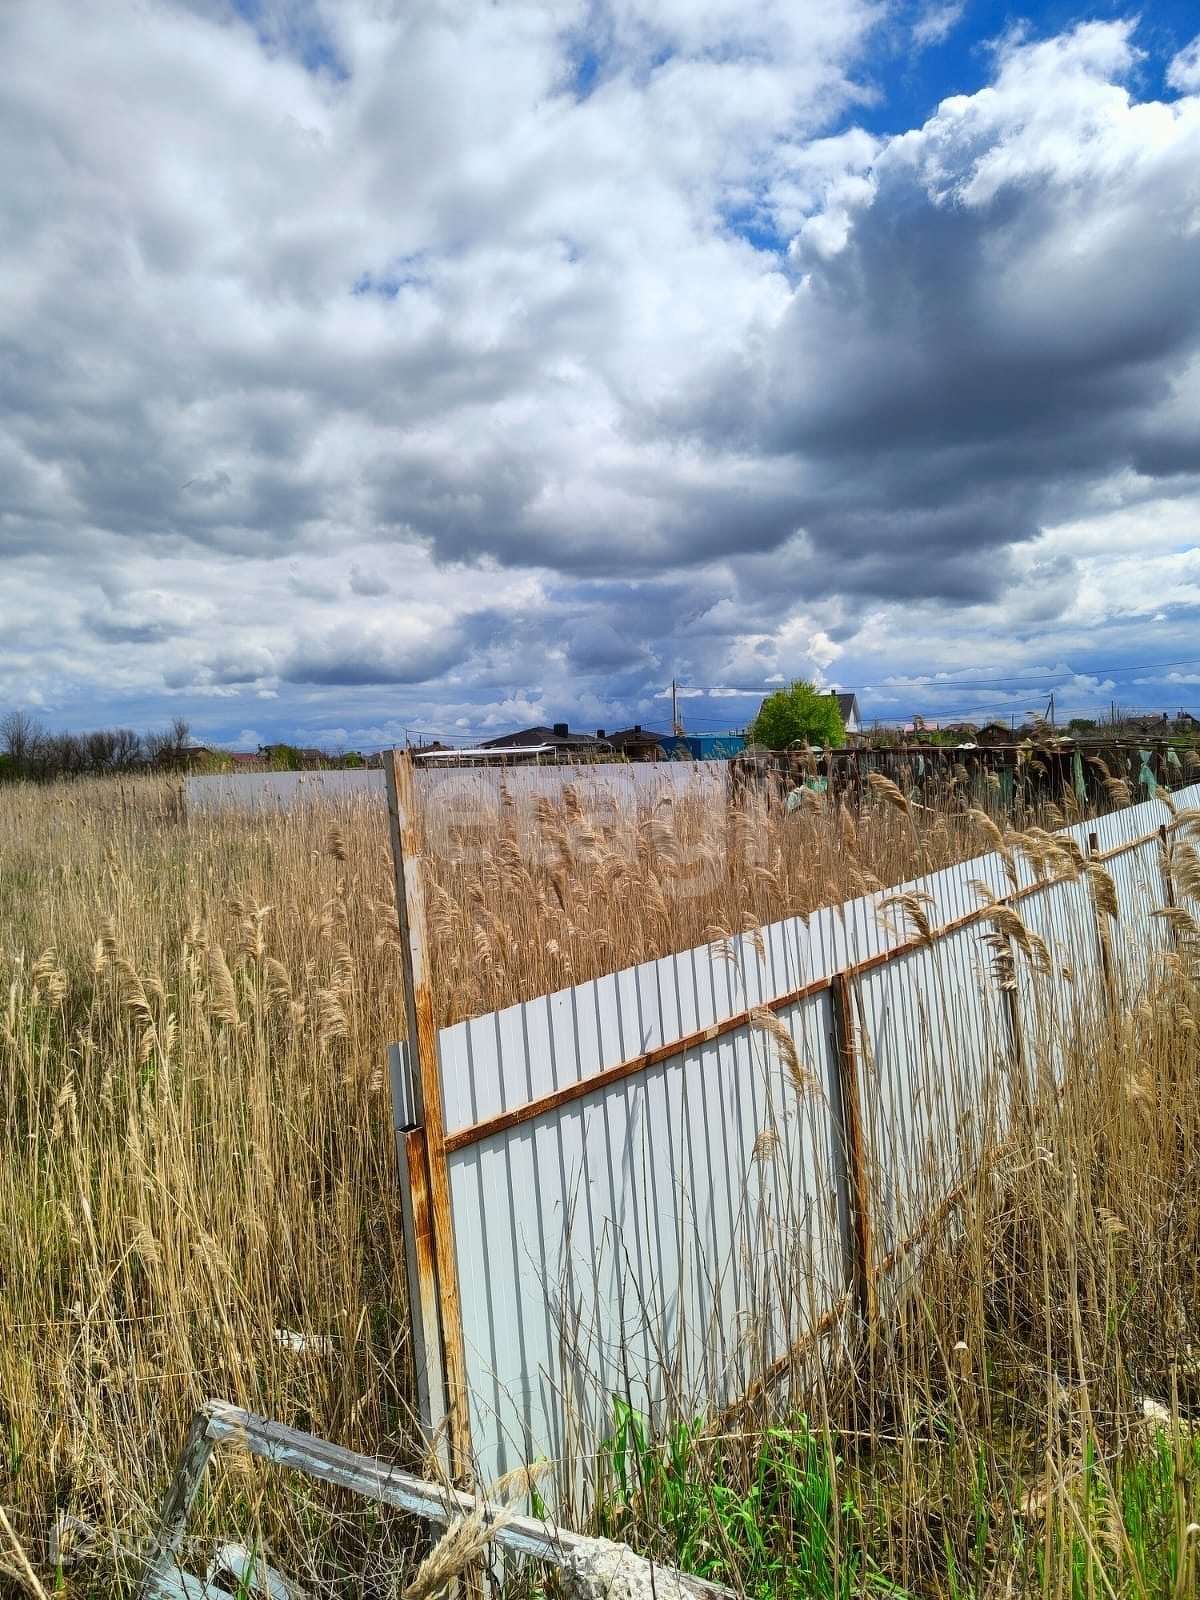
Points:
503	1120
854	1146
425	1306
422	1037
1164	866
1103	936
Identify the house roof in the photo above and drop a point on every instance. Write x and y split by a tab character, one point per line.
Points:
557	737
637	735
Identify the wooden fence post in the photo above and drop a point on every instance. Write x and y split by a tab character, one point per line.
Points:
1164	863
1010	1000
421	1263
1103	936
850	1129
438	1266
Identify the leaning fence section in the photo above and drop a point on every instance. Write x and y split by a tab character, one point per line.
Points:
258	792
473	797
656	1184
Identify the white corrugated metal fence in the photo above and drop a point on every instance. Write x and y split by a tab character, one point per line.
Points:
652	1198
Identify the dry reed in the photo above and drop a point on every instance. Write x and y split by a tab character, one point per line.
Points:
198	1190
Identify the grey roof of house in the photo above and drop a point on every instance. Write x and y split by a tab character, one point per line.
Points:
537	736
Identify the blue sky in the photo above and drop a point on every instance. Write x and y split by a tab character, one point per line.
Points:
954	51
368	368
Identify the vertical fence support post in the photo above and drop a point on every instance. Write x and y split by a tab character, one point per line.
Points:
1103	937
430	1180
1006	973
1164	863
862	1274
424	1307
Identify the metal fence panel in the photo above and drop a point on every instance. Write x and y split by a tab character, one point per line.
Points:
662	1239
1051	1005
282	791
597	784
932	1063
474	791
650	1191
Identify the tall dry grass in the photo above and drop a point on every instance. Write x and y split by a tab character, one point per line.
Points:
535	895
1051	1351
197	1182
198	1192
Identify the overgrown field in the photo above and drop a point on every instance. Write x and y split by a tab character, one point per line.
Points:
198	1197
529	897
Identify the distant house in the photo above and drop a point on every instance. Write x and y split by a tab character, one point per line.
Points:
848	711
181	757
995	733
638	743
556	743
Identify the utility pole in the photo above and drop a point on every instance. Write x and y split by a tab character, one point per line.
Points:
676	725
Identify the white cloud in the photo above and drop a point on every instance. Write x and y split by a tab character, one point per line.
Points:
1184	71
936	23
422	360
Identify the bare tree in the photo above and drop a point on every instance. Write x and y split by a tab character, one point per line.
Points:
63	754
20	733
127	750
101	748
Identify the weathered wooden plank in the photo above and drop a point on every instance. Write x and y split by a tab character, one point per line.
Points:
420	1260
422	1037
584	1087
854	1146
586	1048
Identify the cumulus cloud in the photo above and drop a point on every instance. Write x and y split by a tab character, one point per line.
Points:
936	22
1183	73
449	361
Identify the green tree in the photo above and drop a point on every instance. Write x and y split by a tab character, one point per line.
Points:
800	714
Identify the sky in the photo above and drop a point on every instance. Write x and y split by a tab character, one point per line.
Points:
374	371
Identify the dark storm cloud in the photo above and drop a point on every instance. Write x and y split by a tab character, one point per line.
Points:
352	655
961	367
605	647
